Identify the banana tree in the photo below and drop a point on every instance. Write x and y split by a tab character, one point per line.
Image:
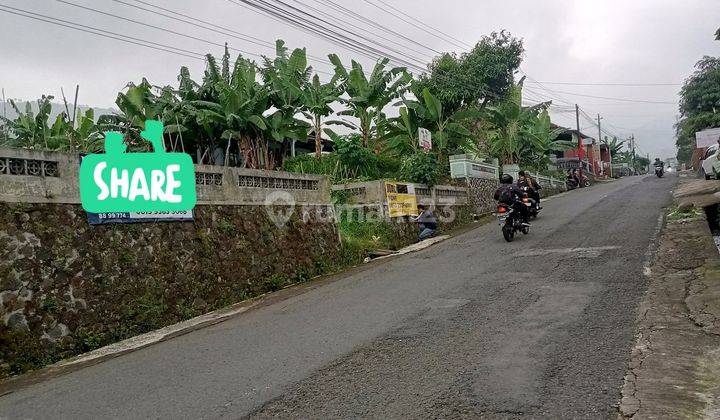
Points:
286	77
367	96
34	131
541	139
614	145
236	112
317	98
427	113
510	126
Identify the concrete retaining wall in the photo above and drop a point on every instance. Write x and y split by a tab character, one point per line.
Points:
34	176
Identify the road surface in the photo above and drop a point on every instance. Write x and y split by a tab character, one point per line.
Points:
473	326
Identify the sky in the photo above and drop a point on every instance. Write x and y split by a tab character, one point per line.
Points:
569	43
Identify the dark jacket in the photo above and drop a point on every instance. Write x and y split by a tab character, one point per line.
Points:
508	193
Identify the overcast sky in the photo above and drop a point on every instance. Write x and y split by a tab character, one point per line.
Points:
566	41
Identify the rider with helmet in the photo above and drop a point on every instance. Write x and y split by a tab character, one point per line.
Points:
511	195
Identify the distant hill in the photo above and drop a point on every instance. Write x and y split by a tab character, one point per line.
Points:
57	108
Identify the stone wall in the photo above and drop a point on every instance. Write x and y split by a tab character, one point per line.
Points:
67	287
480	194
482	190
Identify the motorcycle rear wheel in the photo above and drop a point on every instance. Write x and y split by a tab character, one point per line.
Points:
508	233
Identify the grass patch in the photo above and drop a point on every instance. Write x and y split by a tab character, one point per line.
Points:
675	215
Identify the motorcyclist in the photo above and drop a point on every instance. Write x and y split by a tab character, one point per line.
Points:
525	180
659	163
511	195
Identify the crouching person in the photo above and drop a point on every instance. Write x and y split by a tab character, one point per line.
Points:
426	222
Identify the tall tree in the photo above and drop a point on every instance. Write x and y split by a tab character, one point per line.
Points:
476	77
699	105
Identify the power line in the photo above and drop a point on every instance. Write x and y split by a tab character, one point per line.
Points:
619	99
192	20
427	56
409	22
400	57
609	84
296	19
102	32
171	31
156	27
348	12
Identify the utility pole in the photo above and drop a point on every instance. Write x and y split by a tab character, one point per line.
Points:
602	169
580	142
632	145
5	127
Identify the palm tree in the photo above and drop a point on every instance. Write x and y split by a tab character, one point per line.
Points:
368	96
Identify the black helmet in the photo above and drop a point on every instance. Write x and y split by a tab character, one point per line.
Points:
506	179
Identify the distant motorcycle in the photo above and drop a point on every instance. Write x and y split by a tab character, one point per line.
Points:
572	183
659	171
511	222
584	181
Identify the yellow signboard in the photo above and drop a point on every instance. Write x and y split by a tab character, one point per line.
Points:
401	199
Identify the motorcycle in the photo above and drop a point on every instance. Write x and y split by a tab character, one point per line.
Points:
584	181
510	222
572	183
534	206
659	171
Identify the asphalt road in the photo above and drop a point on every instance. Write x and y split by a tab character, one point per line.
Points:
473	326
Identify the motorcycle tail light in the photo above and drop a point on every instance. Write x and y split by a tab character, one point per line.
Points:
502	209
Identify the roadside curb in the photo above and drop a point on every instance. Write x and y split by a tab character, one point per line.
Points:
141	341
413	248
129	345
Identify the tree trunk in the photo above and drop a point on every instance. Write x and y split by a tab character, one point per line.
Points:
227	153
318	137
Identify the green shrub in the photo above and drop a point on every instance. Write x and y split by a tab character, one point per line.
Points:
421	168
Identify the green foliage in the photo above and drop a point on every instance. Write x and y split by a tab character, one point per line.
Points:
615	146
699	104
329	165
358	159
251	112
420	167
36	131
89	340
317	98
367	96
49	304
483	74
351	161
